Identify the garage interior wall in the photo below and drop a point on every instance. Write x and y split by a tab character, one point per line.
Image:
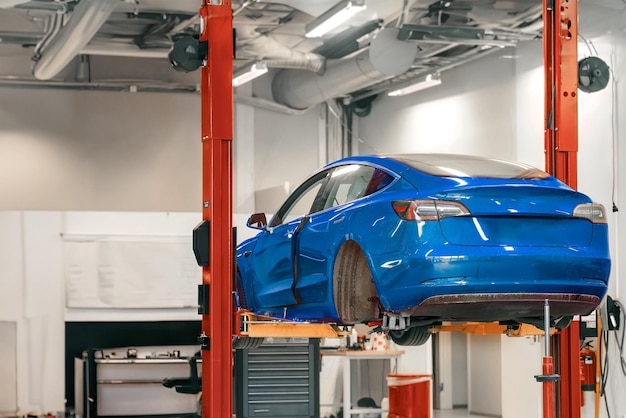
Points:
101	151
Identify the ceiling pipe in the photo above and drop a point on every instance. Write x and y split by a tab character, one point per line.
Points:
386	57
113	49
390	84
85	21
315	64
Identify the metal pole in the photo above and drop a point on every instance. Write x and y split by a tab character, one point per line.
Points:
548	378
546	327
217	134
560	50
548	367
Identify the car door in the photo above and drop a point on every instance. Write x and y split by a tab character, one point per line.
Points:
273	257
317	239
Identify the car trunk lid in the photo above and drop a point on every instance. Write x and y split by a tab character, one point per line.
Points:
517	215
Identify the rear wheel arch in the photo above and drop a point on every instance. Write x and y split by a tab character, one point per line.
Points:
354	291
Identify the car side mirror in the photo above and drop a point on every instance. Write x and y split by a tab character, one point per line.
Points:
257	221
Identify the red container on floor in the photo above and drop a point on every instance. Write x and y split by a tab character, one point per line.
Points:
409	395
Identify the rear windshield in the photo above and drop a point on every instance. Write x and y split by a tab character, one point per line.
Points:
452	165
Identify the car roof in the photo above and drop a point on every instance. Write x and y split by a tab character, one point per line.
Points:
452	165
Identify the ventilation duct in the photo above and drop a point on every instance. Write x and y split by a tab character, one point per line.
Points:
7	4
386	57
85	21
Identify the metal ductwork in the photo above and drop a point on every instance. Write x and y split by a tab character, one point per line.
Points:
85	21
7	4
386	57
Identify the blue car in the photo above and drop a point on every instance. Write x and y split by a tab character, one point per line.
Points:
414	240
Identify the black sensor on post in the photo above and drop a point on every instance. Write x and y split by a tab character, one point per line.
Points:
201	243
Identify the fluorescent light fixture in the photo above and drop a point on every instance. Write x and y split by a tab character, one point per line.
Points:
256	70
333	17
430	80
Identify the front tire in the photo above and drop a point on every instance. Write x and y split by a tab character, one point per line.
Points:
410	336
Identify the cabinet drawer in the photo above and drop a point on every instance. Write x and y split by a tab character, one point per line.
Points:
279	409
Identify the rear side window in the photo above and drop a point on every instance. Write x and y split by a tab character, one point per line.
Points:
351	182
379	181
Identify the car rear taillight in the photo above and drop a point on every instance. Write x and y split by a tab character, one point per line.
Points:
593	211
428	210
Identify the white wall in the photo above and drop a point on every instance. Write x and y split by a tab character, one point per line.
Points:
286	149
468	113
86	150
80	150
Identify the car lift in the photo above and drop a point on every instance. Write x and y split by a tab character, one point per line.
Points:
560	54
215	295
217	134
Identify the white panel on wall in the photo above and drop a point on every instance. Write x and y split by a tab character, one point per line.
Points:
103	271
459	369
446	379
8	368
521	362
130	260
485	381
41	339
11	260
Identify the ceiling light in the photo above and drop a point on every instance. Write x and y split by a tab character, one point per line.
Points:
430	80
256	70
333	17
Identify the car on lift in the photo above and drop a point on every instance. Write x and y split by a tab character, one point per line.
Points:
418	239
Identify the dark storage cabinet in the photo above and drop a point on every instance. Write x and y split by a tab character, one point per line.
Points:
278	379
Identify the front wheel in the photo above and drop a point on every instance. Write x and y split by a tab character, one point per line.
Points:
410	336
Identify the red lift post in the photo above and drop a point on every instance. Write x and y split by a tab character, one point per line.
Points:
217	134
561	145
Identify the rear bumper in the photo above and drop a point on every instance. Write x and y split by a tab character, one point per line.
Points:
504	306
496	285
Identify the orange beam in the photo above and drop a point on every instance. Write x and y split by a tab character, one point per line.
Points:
217	134
251	325
485	328
561	147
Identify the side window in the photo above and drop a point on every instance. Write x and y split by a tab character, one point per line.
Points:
379	181
304	200
348	183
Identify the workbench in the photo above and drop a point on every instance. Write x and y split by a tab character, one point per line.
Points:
349	356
